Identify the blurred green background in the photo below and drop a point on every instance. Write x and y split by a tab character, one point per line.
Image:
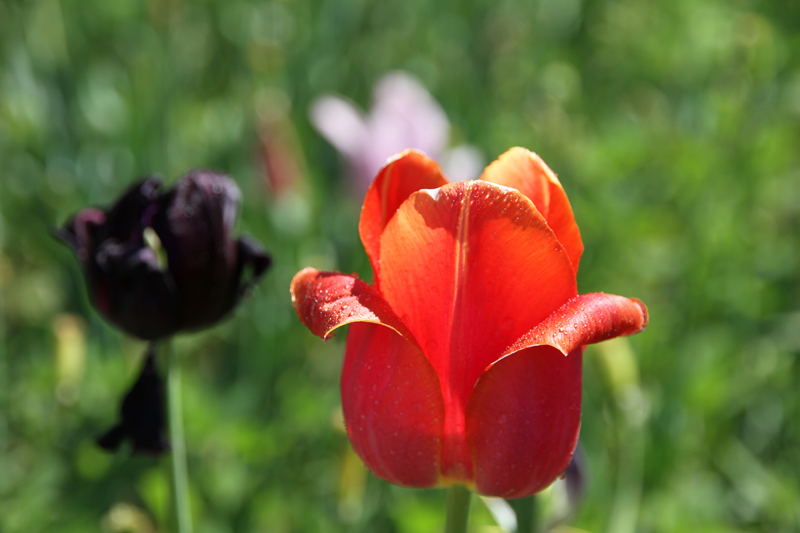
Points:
673	125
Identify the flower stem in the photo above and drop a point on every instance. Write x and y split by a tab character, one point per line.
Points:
526	511
458	498
180	476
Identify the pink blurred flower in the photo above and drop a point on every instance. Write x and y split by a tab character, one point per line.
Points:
403	115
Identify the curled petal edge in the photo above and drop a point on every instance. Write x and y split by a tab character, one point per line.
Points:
77	233
325	301
525	171
585	319
402	175
387	382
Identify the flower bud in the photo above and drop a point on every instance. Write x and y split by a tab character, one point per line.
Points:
158	263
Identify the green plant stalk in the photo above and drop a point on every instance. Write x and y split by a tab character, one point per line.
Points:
4	379
458	499
526	510
180	475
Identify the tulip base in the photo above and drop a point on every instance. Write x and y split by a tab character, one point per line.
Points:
180	476
458	500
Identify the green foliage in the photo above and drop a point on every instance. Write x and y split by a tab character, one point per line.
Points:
673	126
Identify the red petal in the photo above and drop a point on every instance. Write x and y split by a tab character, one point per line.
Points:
587	319
325	301
524	414
469	268
523	420
525	171
392	406
407	173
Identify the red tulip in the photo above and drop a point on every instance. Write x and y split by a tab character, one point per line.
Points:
463	361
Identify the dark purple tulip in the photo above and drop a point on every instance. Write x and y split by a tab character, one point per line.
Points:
207	271
142	414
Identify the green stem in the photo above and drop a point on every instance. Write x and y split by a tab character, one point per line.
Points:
526	511
5	382
457	509
180	476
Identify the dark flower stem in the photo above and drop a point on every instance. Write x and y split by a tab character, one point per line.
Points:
180	476
526	511
458	498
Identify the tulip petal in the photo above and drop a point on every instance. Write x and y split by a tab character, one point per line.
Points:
122	222
523	420
129	288
132	212
405	115
79	233
194	223
403	175
392	405
325	301
469	268
143	417
340	122
253	261
525	171
523	417
586	319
